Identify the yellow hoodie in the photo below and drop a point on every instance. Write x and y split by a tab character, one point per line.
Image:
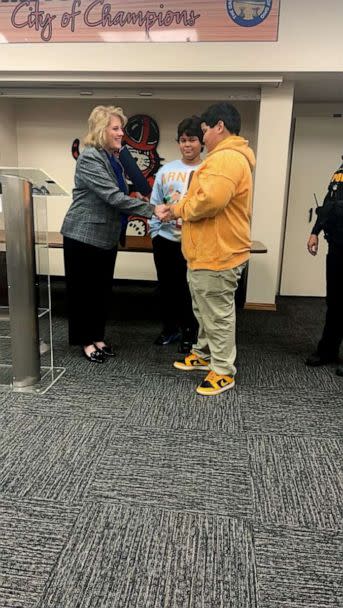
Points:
216	210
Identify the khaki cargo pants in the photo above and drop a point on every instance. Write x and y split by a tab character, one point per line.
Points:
213	300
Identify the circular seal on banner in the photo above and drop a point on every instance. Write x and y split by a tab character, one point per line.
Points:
248	13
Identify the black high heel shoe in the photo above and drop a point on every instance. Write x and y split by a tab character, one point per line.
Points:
106	350
95	357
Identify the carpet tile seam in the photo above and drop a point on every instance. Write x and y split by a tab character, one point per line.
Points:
255	525
58	558
204	432
269	434
289	387
322	436
143	505
67	416
233	433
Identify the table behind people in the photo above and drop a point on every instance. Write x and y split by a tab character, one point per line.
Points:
91	231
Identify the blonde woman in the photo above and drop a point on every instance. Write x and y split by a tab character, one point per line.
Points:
91	230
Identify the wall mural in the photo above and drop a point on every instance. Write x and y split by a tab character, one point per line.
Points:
141	138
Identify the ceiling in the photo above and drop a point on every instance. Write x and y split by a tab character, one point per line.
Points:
309	87
317	87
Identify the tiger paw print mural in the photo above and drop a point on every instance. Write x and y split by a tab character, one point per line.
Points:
137	226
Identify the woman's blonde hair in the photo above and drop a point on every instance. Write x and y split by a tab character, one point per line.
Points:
98	121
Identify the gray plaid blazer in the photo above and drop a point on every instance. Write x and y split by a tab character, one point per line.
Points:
94	215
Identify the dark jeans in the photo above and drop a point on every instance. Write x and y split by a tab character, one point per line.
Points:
333	330
89	275
176	302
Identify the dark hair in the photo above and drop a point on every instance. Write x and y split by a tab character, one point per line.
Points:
223	111
190	127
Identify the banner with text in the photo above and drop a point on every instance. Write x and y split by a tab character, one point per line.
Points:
132	21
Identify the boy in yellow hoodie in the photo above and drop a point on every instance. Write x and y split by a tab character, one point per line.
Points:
216	215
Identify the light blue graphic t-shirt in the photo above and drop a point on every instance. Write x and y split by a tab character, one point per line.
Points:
171	184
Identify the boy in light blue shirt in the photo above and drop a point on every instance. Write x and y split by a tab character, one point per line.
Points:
171	184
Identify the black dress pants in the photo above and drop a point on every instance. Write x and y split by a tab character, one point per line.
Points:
175	298
89	275
333	330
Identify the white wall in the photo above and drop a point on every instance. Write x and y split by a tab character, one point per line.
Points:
318	147
317	109
310	39
46	129
8	134
8	142
269	192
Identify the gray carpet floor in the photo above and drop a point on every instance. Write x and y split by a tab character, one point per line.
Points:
122	488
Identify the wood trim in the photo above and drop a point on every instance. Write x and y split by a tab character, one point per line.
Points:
258	247
259	306
139	243
133	243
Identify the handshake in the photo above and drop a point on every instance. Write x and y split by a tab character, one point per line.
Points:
164	212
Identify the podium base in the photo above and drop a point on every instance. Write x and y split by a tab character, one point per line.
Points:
50	375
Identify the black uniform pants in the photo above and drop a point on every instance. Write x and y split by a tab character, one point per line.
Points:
175	299
89	275
333	330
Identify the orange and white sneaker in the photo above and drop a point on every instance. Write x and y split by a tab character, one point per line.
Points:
214	384
191	362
